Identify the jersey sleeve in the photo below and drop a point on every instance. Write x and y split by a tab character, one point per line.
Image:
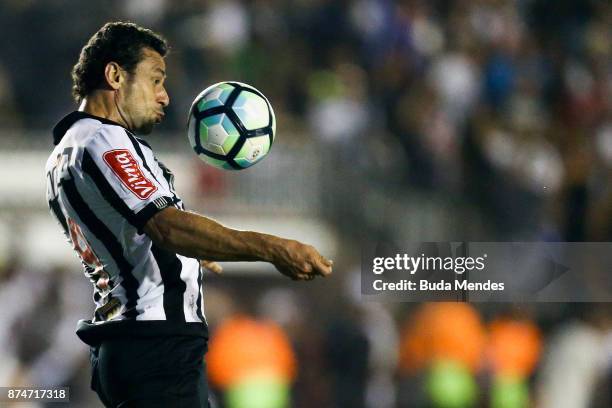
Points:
125	175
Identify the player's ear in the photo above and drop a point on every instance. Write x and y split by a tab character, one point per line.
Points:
114	75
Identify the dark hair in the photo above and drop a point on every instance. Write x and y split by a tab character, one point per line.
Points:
120	42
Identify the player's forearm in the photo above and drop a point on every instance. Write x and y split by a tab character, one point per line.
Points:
196	236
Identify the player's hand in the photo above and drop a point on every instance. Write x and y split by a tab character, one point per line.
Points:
301	262
211	266
102	280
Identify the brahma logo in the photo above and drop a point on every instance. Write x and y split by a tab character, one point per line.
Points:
127	169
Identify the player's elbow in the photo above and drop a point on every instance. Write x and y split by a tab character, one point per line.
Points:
161	228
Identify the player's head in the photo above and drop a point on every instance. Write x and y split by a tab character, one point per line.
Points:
127	61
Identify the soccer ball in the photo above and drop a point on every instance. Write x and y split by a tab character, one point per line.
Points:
231	125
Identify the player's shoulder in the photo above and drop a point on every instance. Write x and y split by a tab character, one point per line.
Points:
95	131
81	128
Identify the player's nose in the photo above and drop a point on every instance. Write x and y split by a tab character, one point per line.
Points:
163	98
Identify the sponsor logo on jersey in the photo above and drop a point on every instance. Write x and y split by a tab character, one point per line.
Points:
127	169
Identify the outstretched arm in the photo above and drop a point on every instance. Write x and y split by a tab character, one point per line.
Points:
196	236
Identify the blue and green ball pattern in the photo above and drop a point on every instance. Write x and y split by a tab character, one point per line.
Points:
231	125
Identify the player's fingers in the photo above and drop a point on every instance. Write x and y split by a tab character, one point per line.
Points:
102	280
212	266
323	267
306	277
287	272
300	276
102	283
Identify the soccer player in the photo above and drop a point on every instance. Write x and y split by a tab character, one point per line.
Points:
117	205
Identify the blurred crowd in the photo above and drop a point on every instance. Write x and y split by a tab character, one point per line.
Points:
280	345
503	107
504	104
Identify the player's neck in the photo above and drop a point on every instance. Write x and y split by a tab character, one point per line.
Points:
102	105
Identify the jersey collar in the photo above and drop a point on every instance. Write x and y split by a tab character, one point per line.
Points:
67	121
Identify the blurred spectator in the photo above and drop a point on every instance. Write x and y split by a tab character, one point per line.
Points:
442	331
347	353
441	351
38	345
514	346
577	362
513	349
9	116
252	361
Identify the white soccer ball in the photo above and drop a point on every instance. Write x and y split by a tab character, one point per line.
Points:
231	125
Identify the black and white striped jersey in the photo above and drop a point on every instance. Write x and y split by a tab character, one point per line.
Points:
103	185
